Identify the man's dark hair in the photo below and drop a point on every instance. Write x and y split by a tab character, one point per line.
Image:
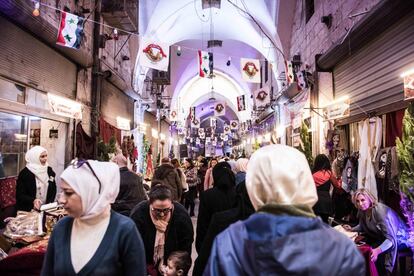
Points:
181	260
159	192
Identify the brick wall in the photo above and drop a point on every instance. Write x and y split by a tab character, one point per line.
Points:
314	37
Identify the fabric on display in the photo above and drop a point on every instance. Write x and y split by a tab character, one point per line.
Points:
106	131
85	144
84	183
394	121
370	136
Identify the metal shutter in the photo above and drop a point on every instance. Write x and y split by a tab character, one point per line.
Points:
25	59
371	76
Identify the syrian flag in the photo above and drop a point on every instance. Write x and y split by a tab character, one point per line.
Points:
154	54
192	113
290	74
241	103
205	62
70	30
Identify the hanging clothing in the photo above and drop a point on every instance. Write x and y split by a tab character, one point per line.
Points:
85	144
370	132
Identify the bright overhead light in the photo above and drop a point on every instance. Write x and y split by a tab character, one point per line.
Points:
406	73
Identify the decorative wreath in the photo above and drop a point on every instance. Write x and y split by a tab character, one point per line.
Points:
154	52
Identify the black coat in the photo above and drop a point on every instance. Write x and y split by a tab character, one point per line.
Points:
219	222
131	192
166	174
26	189
179	234
212	201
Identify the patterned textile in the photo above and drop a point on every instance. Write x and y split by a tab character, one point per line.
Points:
7	192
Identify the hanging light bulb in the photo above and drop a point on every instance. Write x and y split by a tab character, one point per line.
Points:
178	50
36	11
228	61
116	34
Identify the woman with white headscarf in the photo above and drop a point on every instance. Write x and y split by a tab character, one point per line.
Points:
93	240
36	182
241	167
283	237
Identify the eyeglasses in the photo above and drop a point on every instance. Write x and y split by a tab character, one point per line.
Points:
161	211
77	163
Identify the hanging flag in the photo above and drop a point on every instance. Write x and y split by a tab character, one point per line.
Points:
219	109
250	70
290	74
234	124
213	123
205	62
195	123
302	80
241	103
192	113
173	115
154	54
262	97
70	30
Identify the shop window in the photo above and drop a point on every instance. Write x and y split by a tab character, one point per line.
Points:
12	91
13	143
309	9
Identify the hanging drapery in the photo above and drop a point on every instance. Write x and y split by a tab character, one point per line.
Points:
85	144
106	131
393	127
370	132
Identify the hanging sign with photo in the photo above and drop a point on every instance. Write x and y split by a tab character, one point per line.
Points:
182	131
250	70
234	124
226	129
208	140
241	103
213	123
195	123
154	54
219	109
202	135
200	131
173	115
262	97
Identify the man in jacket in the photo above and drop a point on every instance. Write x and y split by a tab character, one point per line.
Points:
167	175
131	189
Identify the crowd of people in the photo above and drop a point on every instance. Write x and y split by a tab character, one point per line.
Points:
267	215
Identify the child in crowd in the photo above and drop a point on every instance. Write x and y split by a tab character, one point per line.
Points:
178	264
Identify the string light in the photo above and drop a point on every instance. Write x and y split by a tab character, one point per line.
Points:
36	11
178	50
228	61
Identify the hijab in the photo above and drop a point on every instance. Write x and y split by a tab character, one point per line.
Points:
34	165
278	174
85	184
241	164
223	176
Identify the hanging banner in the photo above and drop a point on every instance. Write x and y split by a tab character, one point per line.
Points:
200	131
241	103
205	64
70	30
250	70
337	110
249	124
409	87
195	123
154	54
302	80
192	113
234	124
219	109
64	107
173	115
290	74
202	135
262	97
213	123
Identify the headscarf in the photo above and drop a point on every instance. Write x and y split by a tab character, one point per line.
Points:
85	184
278	174
223	176
34	165
120	160
241	164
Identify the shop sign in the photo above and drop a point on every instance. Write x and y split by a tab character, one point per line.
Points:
409	86
64	107
123	123
337	110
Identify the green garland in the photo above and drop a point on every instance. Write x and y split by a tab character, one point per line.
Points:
105	149
145	148
306	145
405	150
